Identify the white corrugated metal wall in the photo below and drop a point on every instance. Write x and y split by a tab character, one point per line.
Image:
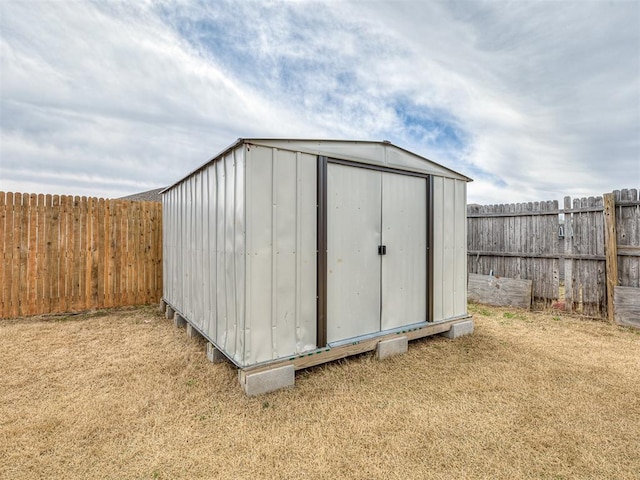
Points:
449	248
281	253
204	250
251	289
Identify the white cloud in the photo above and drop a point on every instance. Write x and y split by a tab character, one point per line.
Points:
534	100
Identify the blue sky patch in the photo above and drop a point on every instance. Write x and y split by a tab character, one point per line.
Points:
425	124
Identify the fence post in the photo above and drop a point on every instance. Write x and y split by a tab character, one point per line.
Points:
568	250
611	250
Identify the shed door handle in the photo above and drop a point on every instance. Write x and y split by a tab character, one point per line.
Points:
382	249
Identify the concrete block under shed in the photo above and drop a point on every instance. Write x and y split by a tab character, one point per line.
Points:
192	332
459	329
267	380
391	347
169	313
179	321
214	355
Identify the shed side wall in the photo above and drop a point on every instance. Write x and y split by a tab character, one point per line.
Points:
281	253
204	251
449	248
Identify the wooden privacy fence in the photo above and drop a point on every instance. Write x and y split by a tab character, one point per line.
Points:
537	240
66	254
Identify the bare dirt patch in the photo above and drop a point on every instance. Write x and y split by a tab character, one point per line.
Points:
123	394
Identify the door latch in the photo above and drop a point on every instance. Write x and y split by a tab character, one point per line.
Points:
382	249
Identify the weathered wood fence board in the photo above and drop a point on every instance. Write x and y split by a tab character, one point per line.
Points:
500	291
627	306
522	241
65	254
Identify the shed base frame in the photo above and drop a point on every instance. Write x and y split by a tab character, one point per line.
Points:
278	374
389	344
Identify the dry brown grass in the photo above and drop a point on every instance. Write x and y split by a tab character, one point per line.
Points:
123	394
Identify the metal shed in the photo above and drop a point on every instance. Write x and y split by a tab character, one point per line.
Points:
289	253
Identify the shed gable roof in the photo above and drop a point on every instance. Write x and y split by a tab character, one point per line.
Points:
371	152
378	153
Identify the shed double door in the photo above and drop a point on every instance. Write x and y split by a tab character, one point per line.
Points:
376	251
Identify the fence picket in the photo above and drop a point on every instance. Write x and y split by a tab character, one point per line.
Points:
32	252
15	267
6	226
39	258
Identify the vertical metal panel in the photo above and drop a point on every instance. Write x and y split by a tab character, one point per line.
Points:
180	217
196	311
284	252
353	265
185	218
202	245
449	239
274	253
192	307
221	300
229	258
404	267
438	237
281	254
210	252
187	306
172	273
239	249
249	253
166	246
460	248
306	237
212	329
181	247
259	241
448	251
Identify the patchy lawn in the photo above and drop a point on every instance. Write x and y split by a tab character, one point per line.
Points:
123	394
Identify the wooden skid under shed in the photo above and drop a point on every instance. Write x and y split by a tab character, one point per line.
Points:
328	354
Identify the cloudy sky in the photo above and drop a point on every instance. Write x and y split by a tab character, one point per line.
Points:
534	100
